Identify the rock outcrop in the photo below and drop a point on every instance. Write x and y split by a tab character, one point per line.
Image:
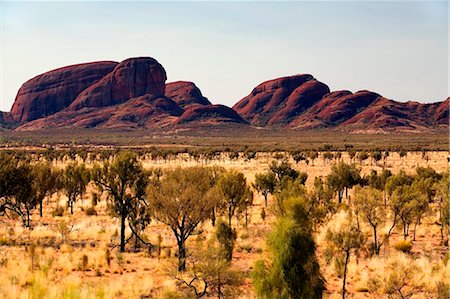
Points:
53	91
131	78
209	114
133	94
185	94
277	102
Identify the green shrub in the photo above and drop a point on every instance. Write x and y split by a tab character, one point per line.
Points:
403	245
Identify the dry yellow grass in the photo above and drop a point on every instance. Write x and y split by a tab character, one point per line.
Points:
58	267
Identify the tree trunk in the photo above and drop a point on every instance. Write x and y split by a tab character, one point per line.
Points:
40	208
414	231
230	215
122	228
347	256
246	216
181	255
213	216
377	249
28	218
340	196
265	199
219	284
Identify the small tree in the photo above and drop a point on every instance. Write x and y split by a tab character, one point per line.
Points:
44	182
342	177
343	240
180	200
17	194
125	181
233	187
443	188
369	203
293	271
227	238
265	183
409	204
74	181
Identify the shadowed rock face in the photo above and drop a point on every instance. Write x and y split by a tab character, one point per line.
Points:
185	94
442	113
131	78
133	95
55	90
277	102
209	114
334	109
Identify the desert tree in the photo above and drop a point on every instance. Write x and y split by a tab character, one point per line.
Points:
343	240
292	271
235	191
265	184
21	190
343	177
397	180
376	156
283	171
409	204
124	180
378	181
442	193
45	182
369	204
226	237
73	182
180	200
312	155
319	202
207	273
362	156
18	195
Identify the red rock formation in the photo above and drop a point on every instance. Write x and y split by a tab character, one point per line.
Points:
334	109
55	90
209	114
389	115
442	113
131	78
140	112
276	102
185	94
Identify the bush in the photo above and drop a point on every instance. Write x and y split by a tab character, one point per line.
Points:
84	262
403	245
90	211
226	237
58	211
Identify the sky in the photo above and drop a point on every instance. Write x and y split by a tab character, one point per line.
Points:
398	49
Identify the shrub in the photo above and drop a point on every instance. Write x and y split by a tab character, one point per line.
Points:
403	245
90	211
226	237
84	262
108	257
58	211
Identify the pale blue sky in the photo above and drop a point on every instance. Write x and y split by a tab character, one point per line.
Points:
398	49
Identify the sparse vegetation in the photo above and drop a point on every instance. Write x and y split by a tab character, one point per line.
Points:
399	225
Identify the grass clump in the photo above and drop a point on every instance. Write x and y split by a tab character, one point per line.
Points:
403	246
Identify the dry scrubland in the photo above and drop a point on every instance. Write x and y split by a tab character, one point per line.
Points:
76	256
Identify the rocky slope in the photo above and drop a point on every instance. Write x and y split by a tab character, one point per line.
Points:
302	102
133	94
55	90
